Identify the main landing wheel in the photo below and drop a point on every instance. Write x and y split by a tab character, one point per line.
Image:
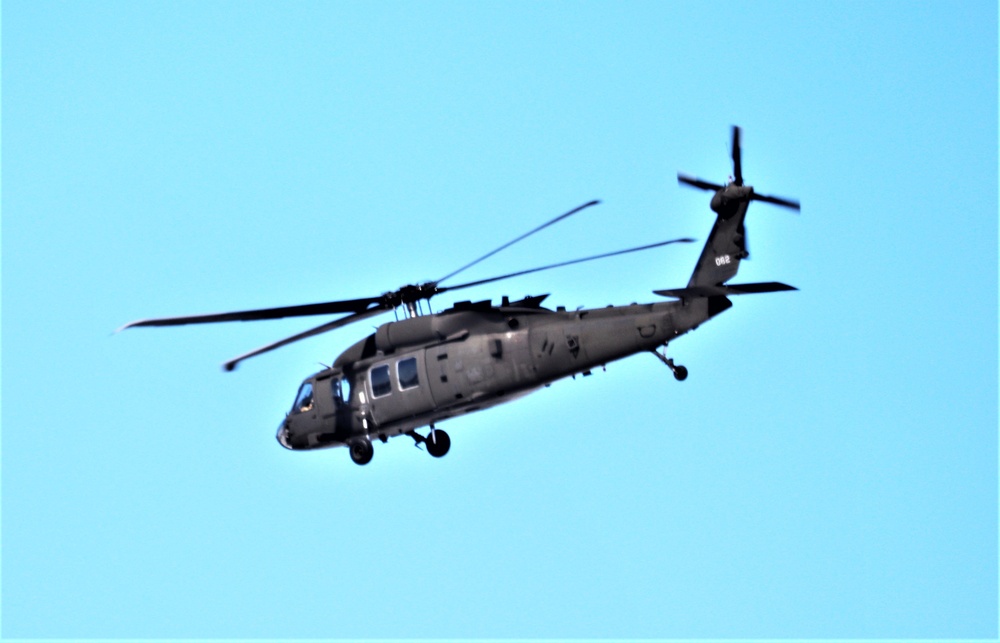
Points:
437	443
361	451
680	373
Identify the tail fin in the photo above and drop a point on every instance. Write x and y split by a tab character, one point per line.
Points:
724	249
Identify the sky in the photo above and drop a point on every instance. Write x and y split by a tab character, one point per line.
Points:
828	469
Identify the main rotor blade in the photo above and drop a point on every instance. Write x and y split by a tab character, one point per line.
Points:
564	263
698	183
523	236
337	323
788	203
328	308
737	164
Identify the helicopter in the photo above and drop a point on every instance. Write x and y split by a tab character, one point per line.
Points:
429	367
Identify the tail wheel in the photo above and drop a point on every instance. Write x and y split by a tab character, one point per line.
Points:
437	443
361	451
680	373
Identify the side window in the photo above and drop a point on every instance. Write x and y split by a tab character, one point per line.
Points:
406	371
379	377
304	400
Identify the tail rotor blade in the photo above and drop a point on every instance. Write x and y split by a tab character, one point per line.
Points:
787	203
697	183
737	163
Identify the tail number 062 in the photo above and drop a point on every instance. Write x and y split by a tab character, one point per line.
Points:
722	260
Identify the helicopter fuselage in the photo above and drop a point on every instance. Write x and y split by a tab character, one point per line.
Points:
426	369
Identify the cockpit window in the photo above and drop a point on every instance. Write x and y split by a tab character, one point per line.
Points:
379	377
304	400
406	370
341	389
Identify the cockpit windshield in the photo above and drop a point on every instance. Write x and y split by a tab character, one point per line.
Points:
304	400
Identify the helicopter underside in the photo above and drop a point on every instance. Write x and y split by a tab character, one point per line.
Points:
410	425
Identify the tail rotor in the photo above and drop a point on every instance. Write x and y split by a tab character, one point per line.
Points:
724	195
727	244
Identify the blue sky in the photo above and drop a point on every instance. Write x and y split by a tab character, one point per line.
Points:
829	468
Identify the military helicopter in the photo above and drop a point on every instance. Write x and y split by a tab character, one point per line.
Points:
428	367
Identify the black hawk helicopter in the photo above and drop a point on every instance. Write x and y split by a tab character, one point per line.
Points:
427	368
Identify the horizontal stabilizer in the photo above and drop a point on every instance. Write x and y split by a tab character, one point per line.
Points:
728	289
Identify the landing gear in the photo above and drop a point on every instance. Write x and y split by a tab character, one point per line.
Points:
680	373
361	451
437	441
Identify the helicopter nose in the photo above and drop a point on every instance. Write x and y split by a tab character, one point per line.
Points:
283	436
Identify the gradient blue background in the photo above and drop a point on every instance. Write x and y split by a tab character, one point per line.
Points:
829	469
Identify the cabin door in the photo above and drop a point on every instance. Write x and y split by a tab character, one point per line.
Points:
398	388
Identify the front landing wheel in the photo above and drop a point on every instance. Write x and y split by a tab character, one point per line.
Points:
361	451
680	373
437	443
